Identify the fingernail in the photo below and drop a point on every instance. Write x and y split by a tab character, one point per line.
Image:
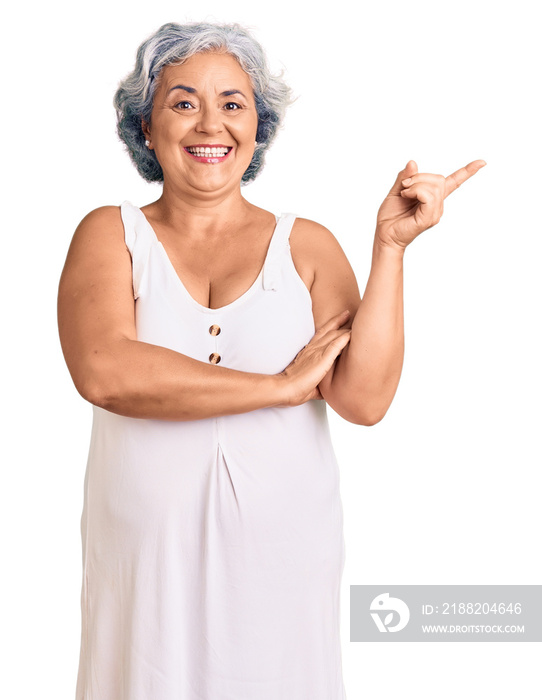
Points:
405	182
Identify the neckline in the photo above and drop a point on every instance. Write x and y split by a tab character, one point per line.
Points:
206	309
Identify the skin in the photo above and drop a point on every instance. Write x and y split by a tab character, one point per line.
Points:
368	371
217	242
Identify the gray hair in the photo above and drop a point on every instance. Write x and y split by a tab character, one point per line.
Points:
173	44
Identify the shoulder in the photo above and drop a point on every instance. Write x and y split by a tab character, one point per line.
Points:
103	224
315	248
99	231
314	240
305	227
107	215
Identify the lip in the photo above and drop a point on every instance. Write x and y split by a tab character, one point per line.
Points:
210	158
209	145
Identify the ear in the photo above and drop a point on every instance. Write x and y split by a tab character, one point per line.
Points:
146	130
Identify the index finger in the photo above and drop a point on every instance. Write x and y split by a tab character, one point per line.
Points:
458	178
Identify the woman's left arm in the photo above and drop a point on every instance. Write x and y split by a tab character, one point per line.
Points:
362	383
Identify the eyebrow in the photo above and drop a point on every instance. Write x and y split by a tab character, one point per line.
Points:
182	87
226	93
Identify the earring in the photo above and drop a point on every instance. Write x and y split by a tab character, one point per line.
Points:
147	143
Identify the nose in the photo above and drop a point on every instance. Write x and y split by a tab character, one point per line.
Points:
209	121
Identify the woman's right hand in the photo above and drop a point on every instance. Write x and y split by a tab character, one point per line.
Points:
311	364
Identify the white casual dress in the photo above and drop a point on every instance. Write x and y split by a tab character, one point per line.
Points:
213	549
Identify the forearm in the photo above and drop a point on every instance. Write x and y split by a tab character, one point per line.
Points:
140	380
369	368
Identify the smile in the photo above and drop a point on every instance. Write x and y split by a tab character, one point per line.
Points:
208	154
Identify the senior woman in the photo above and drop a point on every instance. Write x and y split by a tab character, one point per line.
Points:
209	335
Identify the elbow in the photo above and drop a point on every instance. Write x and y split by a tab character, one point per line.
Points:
376	418
357	411
368	419
367	415
368	410
100	395
100	386
97	392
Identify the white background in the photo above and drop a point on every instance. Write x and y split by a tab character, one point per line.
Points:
445	489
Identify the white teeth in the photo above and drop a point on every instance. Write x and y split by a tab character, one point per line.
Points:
207	151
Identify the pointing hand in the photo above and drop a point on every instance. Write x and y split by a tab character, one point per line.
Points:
416	202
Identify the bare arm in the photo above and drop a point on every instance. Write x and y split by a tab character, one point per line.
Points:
113	370
366	375
156	382
364	378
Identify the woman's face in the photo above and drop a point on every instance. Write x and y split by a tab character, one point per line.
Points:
207	102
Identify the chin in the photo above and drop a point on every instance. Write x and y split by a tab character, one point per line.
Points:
213	184
210	182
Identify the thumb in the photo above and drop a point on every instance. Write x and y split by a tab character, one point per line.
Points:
410	169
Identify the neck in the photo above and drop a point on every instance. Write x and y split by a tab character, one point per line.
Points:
199	213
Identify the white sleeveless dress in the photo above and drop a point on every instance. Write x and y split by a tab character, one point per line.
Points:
213	549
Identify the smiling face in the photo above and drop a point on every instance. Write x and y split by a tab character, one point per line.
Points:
207	102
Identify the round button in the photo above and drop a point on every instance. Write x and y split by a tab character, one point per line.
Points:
214	358
214	329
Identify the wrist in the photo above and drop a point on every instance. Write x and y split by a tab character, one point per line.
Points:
385	246
276	387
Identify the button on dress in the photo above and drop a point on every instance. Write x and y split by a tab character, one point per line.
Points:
213	549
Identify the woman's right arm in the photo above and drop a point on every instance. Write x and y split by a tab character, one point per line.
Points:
113	370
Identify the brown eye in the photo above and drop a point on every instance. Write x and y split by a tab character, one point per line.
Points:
232	106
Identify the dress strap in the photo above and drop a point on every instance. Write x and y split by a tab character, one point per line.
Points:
138	239
272	270
127	214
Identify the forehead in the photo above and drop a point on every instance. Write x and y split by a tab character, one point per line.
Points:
204	71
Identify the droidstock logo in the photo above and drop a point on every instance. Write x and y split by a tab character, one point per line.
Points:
384	604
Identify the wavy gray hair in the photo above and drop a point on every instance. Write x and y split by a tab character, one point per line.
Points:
174	43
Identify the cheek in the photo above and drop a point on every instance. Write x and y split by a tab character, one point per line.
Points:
246	131
167	135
